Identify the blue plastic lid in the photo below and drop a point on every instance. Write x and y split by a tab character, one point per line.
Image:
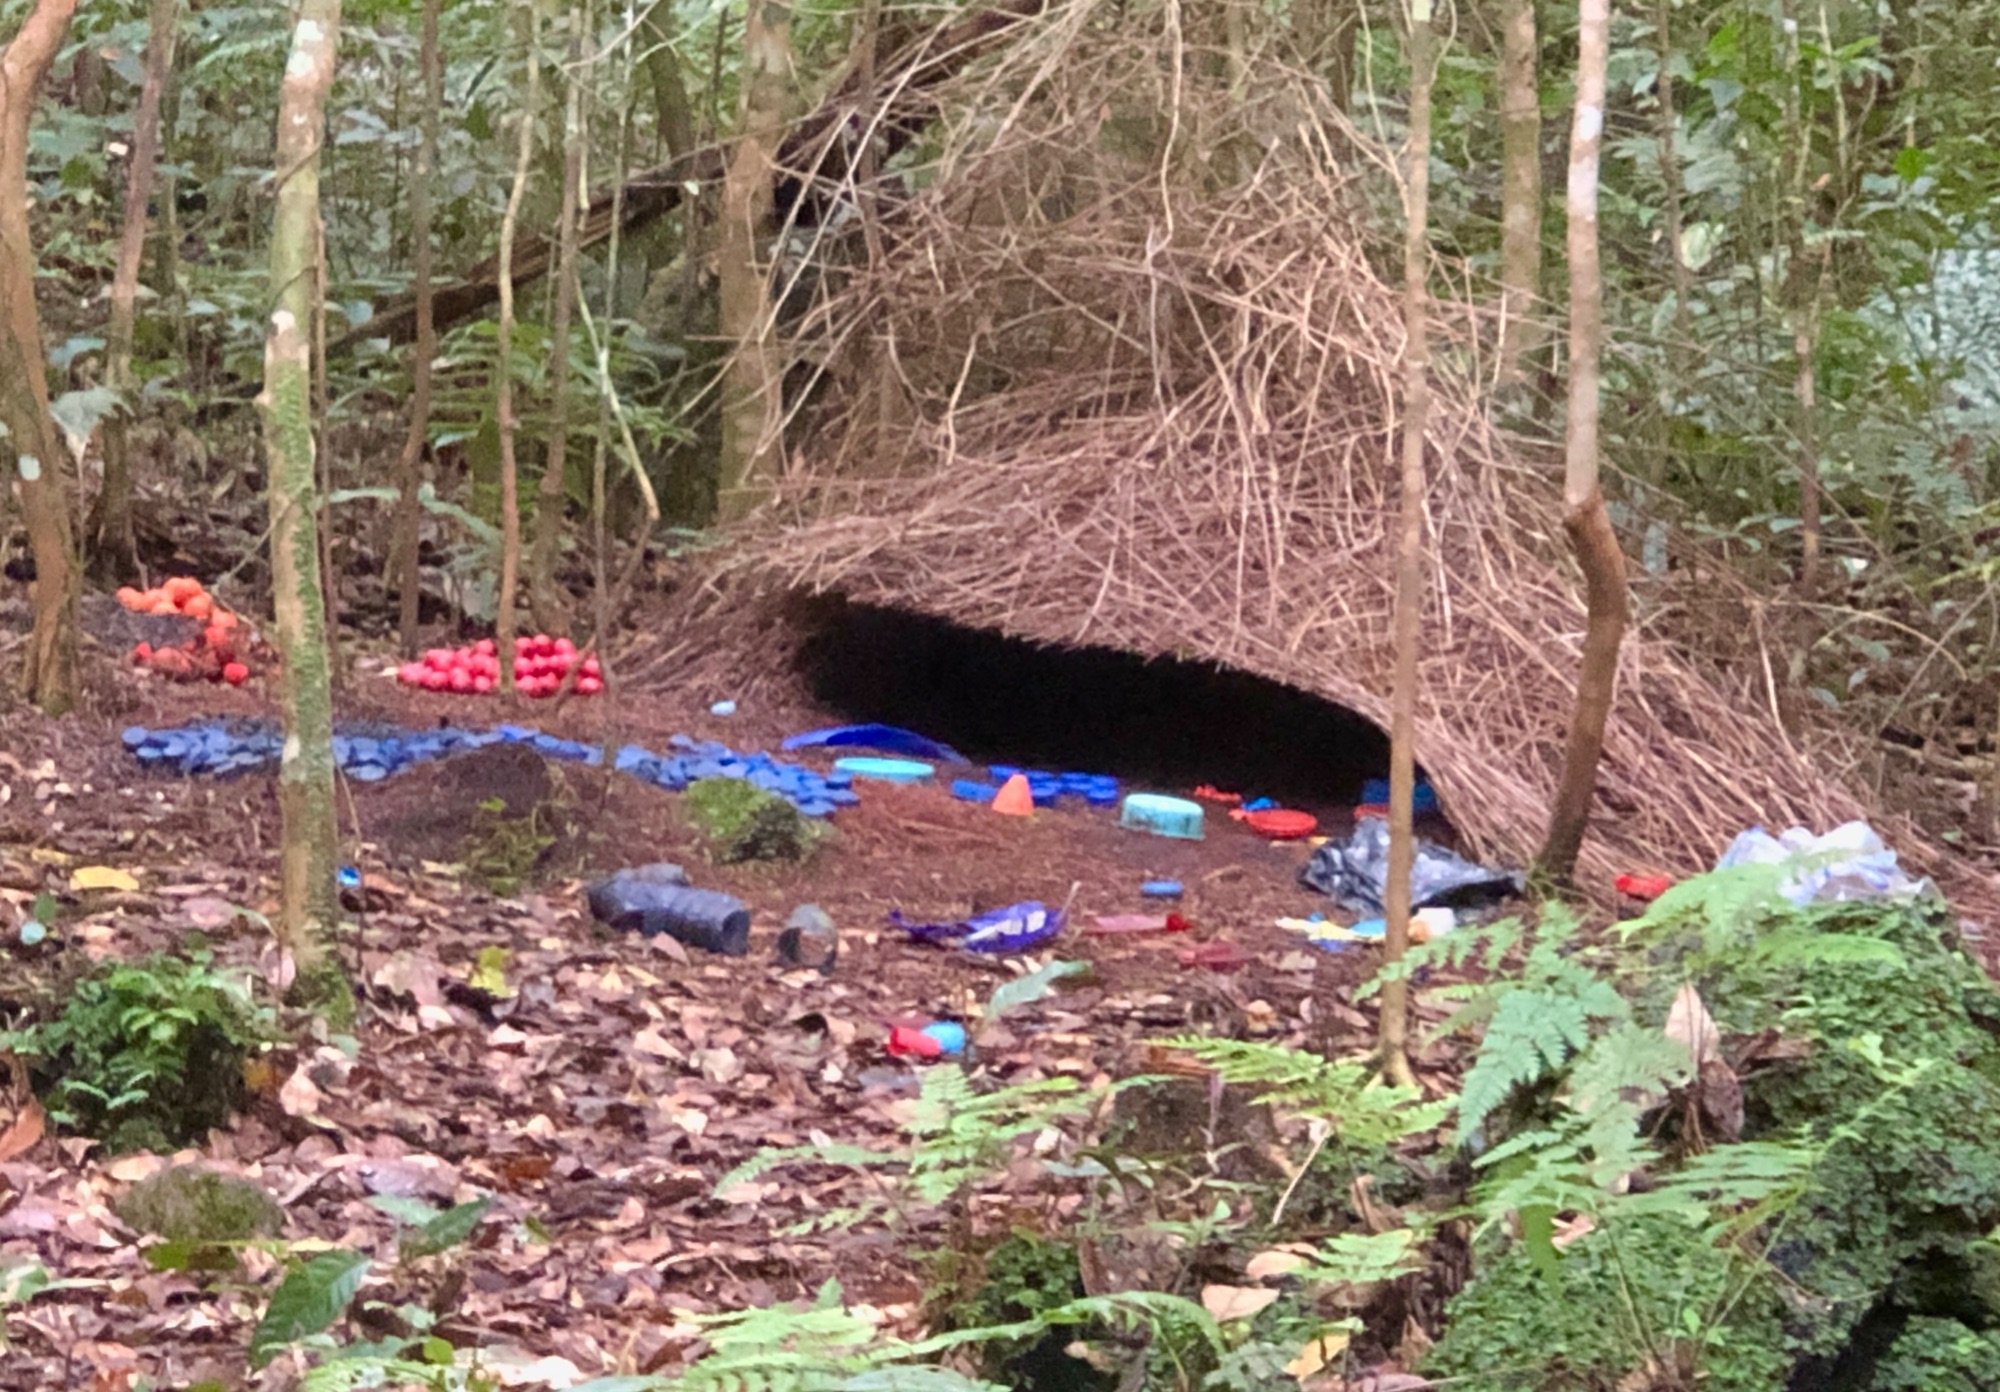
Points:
1161	889
887	770
972	790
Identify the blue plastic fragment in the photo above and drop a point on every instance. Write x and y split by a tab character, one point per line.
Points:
889	739
1260	805
348	877
972	790
1161	889
1376	792
950	1037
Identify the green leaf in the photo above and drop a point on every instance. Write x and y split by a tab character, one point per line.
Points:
445	1231
1026	990
308	1301
414	1212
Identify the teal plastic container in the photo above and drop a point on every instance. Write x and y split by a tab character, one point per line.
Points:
887	770
1162	816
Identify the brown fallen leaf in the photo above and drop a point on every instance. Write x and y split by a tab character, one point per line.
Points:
1227	1303
24	1131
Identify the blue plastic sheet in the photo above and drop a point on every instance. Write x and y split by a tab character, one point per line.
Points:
369	753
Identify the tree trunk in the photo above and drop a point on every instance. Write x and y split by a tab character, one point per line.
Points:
410	468
305	771
510	478
1679	352
113	553
1520	193
673	113
1803	292
546	597
1585	518
752	407
29	444
1396	906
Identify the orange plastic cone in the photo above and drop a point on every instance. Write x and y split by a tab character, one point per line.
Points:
1014	799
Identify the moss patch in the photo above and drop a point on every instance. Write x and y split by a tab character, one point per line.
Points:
741	821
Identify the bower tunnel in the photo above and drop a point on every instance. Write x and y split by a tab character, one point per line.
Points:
1164	722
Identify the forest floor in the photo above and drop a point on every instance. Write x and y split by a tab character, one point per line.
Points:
600	1099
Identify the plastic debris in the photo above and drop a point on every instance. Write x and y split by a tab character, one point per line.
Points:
973	790
655	899
215	641
1849	862
1014	798
1219	956
1016	928
1644	888
1162	816
1375	793
887	739
1281	823
1126	925
1355	872
1161	889
723	708
370	753
1048	789
1261	804
941	1040
1433	922
809	939
886	770
1208	793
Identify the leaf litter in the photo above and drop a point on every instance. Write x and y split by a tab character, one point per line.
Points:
593	1087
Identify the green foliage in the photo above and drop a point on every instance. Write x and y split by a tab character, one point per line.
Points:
957	1138
1939	1355
147	1054
307	1302
743	822
1346	1097
502	852
1655	1289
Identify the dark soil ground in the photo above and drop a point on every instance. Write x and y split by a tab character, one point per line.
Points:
604	1095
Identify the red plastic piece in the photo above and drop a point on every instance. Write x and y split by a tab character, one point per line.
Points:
1645	888
1220	956
1282	823
1372	809
235	673
1216	795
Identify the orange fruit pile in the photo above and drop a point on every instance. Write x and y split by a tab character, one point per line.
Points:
213	655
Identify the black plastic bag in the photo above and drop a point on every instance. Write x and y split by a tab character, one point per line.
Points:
1355	872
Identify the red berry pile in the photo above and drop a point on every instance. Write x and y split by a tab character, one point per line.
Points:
540	664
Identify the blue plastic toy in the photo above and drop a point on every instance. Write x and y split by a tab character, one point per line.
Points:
889	739
1016	928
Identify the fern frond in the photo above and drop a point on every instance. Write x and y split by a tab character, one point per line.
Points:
1629	1057
1157	1311
764	1161
1532	1034
1346	1096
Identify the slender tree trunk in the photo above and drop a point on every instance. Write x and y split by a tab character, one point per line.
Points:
752	408
546	597
29	447
113	553
673	113
1396	905
1803	292
305	771
1679	352
510	492
1585	518
1520	193
410	468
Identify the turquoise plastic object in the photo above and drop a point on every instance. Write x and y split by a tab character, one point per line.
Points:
1162	816
887	770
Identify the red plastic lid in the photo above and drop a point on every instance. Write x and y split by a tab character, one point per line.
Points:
1644	887
1282	823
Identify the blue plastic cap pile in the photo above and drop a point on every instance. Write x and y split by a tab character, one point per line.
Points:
1047	789
371	753
1376	791
814	794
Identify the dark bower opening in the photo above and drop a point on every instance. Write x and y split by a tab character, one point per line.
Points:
1163	722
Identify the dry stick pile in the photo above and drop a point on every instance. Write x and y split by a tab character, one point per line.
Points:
1130	380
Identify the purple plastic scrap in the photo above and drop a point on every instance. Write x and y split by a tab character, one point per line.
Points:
1016	928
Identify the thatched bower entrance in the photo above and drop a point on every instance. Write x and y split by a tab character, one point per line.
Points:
1109	380
1168	722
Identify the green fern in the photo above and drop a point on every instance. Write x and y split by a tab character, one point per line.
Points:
956	1138
1358	1109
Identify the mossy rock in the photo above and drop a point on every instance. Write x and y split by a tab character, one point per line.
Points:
741	821
1598	1316
198	1206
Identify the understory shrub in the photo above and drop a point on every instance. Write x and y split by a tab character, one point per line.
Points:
145	1055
